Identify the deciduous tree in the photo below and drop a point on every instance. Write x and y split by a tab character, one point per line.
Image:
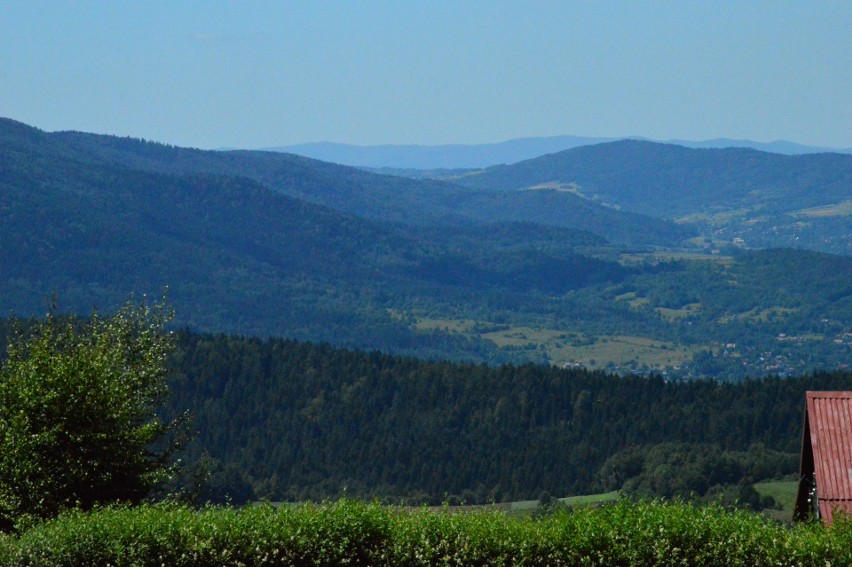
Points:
78	412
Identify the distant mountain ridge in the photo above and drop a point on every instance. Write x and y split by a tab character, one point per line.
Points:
262	243
742	195
95	218
667	180
473	156
447	156
628	191
377	197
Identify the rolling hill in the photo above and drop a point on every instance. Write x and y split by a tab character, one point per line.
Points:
241	257
671	181
765	199
275	245
378	197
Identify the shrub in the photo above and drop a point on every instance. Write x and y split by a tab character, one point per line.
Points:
353	533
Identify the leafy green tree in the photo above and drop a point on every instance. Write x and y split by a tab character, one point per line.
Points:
78	412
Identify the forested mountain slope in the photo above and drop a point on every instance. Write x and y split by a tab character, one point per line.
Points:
301	421
97	218
227	246
755	198
243	258
671	181
349	190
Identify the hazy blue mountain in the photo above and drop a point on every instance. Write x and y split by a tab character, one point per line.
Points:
668	180
777	147
764	199
378	197
96	218
470	156
241	257
448	156
618	182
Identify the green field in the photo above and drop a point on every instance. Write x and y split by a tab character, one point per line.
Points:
783	491
633	300
759	315
675	314
595	352
585	500
720	218
466	326
565	347
557	186
843	209
634	259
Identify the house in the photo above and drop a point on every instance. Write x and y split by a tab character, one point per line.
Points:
825	470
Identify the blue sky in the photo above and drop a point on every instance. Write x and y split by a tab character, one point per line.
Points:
255	74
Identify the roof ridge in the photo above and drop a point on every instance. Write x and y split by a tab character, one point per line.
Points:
829	394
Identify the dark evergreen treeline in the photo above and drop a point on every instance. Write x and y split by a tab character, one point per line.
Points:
280	419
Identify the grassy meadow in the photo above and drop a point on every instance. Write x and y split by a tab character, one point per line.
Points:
843	209
567	347
530	506
784	493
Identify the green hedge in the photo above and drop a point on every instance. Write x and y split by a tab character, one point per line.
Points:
353	533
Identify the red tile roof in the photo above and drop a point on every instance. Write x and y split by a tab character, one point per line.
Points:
829	419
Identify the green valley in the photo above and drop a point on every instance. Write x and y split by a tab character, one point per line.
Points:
271	244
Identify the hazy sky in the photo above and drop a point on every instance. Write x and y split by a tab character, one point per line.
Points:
254	74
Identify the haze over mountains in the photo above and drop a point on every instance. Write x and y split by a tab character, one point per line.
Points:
620	254
377	197
475	156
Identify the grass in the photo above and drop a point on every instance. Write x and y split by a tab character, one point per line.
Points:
633	300
529	506
525	336
567	347
721	218
590	499
453	325
635	259
557	186
626	350
843	209
783	491
620	350
759	315
676	314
